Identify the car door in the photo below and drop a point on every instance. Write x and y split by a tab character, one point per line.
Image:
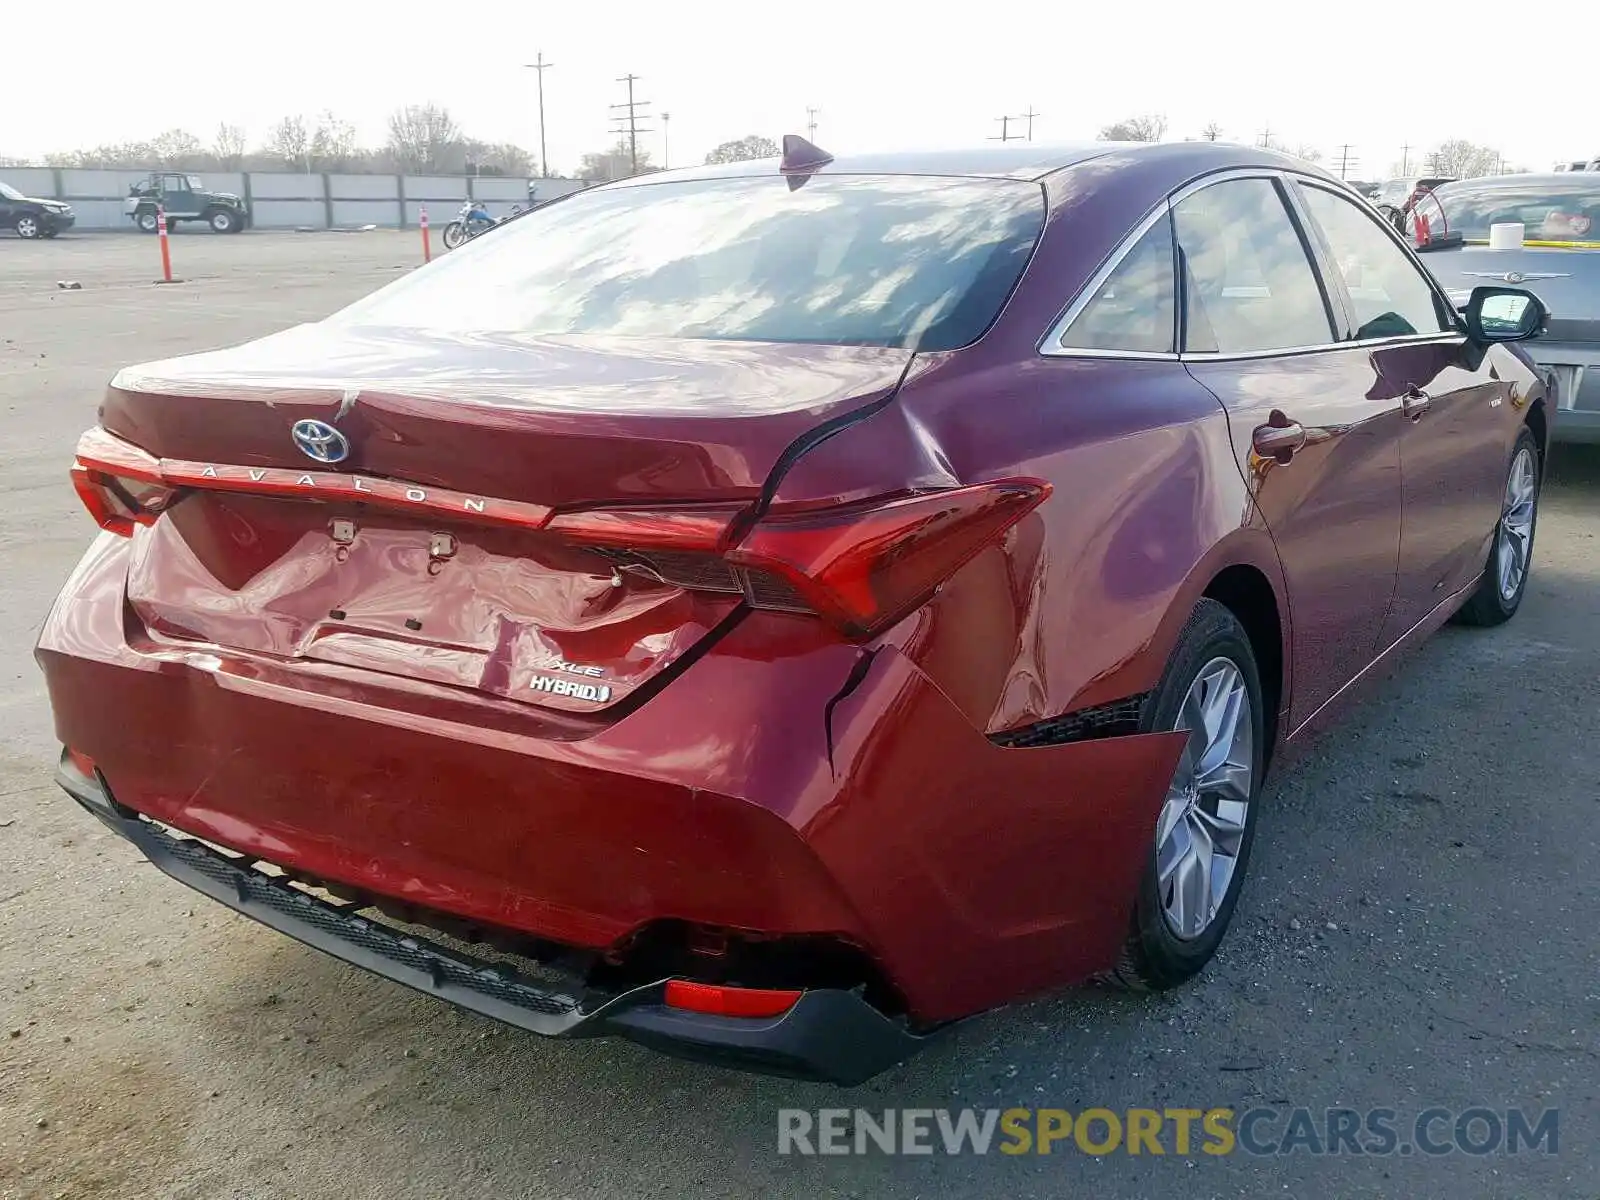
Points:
8	211
177	197
1317	440
1452	451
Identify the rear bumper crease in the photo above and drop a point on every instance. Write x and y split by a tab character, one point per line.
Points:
829	1034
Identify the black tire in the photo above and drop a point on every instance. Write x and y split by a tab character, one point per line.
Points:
454	234
50	233
1490	604
29	227
145	219
223	220
1154	957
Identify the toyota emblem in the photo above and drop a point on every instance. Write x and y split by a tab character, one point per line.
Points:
321	441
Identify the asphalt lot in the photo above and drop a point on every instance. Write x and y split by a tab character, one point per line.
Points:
1419	929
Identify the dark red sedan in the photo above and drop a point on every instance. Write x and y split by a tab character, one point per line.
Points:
771	611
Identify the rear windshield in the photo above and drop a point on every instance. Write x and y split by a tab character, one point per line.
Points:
898	261
1566	213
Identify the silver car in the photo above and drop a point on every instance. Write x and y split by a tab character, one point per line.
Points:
1559	260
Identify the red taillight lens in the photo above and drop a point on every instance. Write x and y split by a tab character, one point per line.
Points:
719	1001
862	566
118	483
118	502
865	567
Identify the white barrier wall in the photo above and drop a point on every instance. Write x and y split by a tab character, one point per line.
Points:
294	200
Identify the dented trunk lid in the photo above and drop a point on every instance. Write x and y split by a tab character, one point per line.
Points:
430	581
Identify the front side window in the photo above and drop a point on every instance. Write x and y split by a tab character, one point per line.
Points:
1388	294
1248	283
922	263
1135	309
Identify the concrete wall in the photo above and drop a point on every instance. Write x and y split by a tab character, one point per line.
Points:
295	200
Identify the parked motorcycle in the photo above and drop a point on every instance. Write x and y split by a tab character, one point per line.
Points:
472	220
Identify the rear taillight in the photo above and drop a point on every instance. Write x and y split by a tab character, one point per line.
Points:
122	490
865	567
862	567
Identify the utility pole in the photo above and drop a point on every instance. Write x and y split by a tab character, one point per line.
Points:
1005	129
629	123
1346	161
666	140
1029	116
538	64
1405	159
1266	137
811	124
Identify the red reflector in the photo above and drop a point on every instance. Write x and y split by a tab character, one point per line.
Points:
81	762
866	566
729	1001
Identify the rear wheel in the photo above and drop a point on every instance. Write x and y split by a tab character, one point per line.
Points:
1505	575
28	226
1201	843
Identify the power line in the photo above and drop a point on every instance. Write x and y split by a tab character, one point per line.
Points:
539	65
1029	116
629	123
1346	161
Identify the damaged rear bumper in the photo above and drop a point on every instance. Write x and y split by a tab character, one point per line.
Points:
828	1034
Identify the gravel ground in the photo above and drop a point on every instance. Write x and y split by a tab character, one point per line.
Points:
1419	929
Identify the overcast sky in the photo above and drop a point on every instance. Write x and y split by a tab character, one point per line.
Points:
883	74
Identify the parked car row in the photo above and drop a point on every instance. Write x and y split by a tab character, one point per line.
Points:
183	197
32	217
1558	259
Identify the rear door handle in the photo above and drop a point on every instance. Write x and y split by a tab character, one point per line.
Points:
1279	438
1415	402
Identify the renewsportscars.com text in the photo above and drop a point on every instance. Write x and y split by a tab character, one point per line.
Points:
1174	1131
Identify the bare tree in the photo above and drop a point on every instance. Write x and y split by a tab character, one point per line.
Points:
177	148
420	135
1146	128
333	144
1211	132
290	143
11	160
228	146
1462	159
615	163
743	149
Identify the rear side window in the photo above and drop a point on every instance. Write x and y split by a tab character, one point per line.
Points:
1563	213
852	260
1248	283
1135	309
1389	295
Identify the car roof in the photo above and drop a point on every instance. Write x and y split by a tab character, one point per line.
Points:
1007	160
1527	181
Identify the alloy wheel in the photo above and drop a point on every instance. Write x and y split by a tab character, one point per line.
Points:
27	227
1202	826
1516	522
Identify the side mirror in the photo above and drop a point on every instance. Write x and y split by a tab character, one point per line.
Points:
1504	314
